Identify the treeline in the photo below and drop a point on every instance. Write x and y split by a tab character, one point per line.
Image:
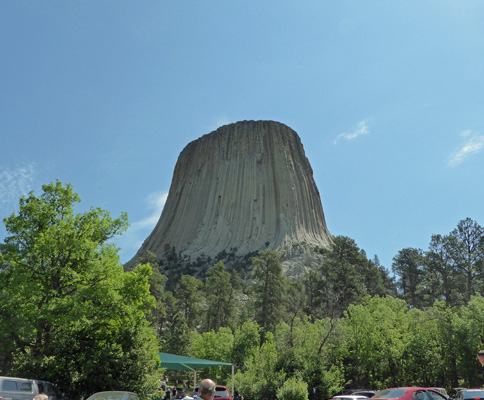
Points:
71	315
451	270
346	323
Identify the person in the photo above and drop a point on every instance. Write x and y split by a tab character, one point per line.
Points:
480	356
237	395
206	391
41	396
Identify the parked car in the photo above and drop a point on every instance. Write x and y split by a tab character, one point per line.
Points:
409	393
367	393
354	391
349	397
470	394
222	393
114	395
12	388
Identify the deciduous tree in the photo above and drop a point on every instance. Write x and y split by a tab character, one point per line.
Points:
70	314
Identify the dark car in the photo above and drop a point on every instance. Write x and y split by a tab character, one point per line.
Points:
114	395
409	393
180	393
470	394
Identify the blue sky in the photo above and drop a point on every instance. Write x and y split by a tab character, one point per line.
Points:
387	97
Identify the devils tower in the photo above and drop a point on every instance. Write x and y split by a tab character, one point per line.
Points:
246	186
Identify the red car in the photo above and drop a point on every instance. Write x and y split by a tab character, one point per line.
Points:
409	393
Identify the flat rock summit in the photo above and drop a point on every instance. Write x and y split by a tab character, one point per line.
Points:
247	186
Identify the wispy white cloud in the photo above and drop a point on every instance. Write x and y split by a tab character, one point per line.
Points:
156	202
361	129
473	143
138	231
15	183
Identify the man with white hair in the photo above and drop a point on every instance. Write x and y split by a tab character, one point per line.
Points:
206	391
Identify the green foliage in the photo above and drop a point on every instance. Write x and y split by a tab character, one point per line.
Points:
246	344
345	277
452	270
293	389
409	265
268	289
376	335
261	378
221	289
214	346
188	296
70	314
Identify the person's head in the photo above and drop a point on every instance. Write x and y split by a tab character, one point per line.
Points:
480	356
41	396
207	389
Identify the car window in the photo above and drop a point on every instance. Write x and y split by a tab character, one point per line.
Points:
436	396
472	394
421	395
390	393
221	393
16	386
51	391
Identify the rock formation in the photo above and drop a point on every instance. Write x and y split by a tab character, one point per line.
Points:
248	186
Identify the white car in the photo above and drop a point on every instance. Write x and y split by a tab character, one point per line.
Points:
349	397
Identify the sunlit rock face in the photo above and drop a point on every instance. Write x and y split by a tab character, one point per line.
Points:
248	186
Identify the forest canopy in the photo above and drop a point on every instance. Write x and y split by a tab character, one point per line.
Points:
73	316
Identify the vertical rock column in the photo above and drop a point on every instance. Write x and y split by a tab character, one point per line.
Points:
247	185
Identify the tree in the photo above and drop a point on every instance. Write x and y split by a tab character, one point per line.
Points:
466	247
246	344
376	334
441	272
163	299
214	346
188	295
409	265
221	288
268	289
293	389
346	276
261	377
70	314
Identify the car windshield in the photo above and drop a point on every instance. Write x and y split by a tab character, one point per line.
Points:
108	396
221	392
390	393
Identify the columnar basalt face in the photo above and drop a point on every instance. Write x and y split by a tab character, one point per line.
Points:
247	185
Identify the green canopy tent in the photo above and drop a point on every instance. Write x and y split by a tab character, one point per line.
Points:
173	362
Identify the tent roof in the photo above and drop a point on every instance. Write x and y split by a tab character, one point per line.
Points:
173	362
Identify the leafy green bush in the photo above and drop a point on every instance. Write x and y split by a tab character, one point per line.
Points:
293	389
